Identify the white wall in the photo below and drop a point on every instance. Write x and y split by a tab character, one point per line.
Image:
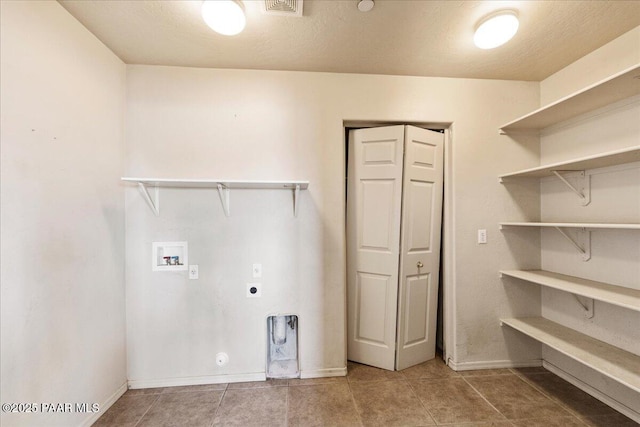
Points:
612	58
62	217
615	194
615	197
240	124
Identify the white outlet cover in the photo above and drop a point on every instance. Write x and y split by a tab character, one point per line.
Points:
193	271
222	359
254	290
257	271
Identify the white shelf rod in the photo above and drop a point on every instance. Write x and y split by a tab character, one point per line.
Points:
155	206
584	250
585	193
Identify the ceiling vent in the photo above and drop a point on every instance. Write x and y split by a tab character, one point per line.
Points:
282	7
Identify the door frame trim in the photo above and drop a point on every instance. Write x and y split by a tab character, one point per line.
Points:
448	229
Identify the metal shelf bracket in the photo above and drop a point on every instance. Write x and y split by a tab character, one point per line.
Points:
296	198
587	306
582	243
582	186
224	198
154	205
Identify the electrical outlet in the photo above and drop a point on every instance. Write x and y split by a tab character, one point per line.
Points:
193	271
482	236
254	290
257	271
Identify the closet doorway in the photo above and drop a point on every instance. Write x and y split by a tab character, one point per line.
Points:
394	216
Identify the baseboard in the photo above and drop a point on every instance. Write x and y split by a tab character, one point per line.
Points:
493	364
623	409
207	379
93	417
322	373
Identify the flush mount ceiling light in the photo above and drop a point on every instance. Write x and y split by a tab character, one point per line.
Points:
224	16
496	29
365	5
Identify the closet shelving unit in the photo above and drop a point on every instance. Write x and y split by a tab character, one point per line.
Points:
585	225
612	89
223	186
611	158
611	361
605	292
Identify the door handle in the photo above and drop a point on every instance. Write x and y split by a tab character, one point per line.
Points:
419	264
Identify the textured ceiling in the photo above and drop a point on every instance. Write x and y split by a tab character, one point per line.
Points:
398	37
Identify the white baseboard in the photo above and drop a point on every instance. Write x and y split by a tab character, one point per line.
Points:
623	409
233	378
493	364
323	373
207	379
92	418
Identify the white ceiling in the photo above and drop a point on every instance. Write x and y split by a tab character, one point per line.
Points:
398	37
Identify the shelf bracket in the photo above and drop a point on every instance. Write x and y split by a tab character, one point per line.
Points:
583	188
588	306
224	198
296	198
583	245
154	205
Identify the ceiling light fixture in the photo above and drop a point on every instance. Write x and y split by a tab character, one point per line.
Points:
224	16
365	5
496	29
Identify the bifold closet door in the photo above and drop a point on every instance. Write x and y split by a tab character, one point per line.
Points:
393	244
373	243
420	246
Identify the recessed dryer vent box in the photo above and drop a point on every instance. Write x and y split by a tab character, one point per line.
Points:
169	256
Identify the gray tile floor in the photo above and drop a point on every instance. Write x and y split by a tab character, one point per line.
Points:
425	395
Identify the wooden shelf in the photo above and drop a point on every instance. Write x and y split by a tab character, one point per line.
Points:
615	88
222	185
571	225
611	158
617	364
616	295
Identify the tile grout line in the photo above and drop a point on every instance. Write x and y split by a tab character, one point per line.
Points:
224	393
420	400
484	398
549	396
148	409
286	404
543	393
353	400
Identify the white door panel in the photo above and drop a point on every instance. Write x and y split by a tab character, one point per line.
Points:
420	246
416	316
377	215
373	244
393	222
419	223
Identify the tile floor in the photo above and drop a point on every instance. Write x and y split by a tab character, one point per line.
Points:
429	394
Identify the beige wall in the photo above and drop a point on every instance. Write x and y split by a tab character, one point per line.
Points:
238	124
62	274
615	198
612	58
